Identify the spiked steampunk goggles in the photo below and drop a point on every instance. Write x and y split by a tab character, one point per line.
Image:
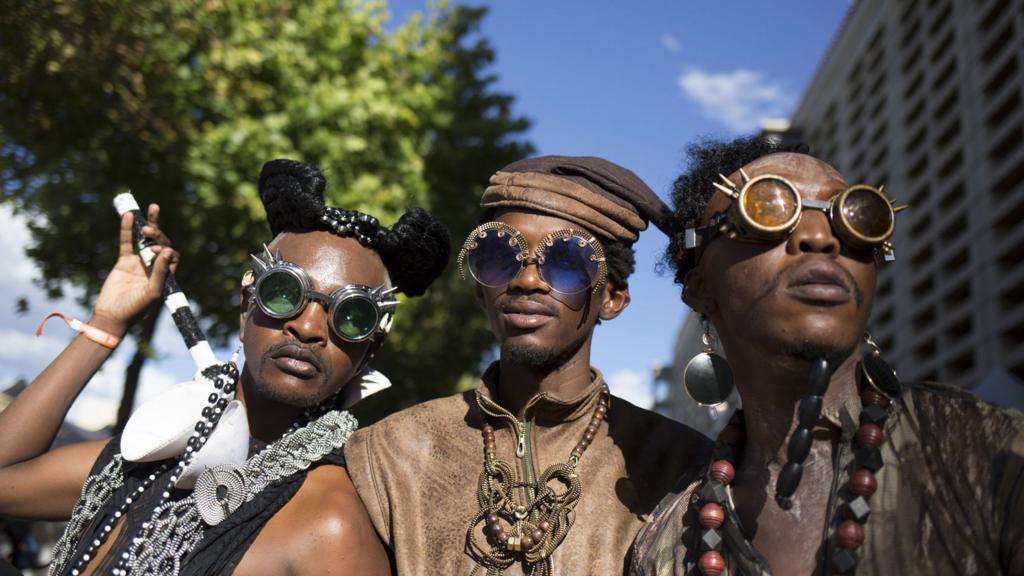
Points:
569	261
354	312
767	208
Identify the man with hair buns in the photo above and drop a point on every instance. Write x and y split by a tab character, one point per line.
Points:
264	490
538	470
834	465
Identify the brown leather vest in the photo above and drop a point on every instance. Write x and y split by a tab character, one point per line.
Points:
417	473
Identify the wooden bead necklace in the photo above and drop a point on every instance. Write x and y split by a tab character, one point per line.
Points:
712	497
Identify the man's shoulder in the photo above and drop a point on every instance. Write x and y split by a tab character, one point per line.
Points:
934	400
942	415
425	416
328	506
656	427
663	455
409	429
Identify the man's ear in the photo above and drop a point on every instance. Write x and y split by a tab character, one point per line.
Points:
697	294
614	301
478	293
243	311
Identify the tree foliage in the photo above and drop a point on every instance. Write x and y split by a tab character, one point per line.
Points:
183	101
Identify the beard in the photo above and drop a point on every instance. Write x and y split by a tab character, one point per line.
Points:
809	351
313	393
291	397
533	356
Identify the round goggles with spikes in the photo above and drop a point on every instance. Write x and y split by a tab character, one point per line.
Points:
569	261
354	312
768	208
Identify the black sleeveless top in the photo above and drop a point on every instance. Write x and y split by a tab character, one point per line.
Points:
222	546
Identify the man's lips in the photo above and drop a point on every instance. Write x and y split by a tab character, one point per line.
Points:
297	361
526	314
820	282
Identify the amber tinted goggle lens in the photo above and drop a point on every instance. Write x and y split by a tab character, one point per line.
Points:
867	215
770	205
569	266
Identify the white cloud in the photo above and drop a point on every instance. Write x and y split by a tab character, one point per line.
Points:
633	385
670	43
23	355
740	99
14	238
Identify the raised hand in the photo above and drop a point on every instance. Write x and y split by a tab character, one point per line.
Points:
129	288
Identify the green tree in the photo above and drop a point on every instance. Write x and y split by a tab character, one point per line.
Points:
183	101
475	138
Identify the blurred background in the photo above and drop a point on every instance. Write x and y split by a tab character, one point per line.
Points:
413	103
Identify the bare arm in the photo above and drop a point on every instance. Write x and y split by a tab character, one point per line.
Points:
38	484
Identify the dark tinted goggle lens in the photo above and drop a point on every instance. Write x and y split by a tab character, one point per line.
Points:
280	293
570	266
355	318
494	261
867	213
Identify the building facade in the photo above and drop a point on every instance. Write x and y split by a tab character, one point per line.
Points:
925	97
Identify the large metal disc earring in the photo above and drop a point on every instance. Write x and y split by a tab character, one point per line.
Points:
877	371
707	377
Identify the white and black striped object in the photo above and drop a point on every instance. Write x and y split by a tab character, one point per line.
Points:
174	299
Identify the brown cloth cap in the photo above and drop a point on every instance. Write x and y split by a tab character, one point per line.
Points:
603	197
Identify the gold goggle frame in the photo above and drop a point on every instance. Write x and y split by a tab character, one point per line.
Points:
516	239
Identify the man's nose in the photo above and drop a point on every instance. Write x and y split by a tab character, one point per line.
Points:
528	279
310	325
813	234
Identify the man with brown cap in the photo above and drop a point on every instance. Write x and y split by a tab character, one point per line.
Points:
538	470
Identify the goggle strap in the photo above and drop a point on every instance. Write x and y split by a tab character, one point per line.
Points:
694	237
691	239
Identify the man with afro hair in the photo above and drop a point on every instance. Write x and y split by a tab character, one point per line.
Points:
834	466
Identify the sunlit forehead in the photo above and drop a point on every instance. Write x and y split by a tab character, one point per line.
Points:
331	261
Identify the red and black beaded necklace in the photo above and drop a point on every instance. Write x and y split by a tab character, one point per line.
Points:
714	502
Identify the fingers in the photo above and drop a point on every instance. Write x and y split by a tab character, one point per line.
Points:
152	228
125	240
166	260
157	250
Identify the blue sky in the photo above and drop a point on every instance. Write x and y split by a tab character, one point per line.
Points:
633	82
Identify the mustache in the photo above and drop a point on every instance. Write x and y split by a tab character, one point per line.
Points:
505	303
778	279
296	349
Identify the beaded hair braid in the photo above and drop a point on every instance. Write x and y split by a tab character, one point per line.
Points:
415	250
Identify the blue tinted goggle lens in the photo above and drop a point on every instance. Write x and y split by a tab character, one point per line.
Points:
494	261
570	265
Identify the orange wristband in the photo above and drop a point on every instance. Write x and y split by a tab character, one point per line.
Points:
105	339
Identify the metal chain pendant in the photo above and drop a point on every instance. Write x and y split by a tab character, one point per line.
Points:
219	492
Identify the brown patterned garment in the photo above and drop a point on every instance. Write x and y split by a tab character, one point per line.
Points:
417	472
950	496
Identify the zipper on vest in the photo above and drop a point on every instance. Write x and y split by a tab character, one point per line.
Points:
524	444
